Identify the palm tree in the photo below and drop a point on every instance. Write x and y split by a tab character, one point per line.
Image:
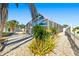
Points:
3	13
12	25
3	16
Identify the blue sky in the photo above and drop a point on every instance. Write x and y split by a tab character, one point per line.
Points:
62	13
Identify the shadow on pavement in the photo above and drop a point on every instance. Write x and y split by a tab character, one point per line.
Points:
15	47
15	42
18	41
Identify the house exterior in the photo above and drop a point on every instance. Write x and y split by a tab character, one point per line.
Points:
43	22
38	19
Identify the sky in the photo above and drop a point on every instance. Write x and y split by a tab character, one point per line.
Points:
62	13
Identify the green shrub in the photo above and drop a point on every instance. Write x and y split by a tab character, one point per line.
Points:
54	31
47	47
4	34
42	43
77	32
40	32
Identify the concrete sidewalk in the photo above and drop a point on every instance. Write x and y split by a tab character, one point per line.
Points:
63	46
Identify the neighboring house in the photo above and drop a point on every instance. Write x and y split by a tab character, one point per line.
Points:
38	19
43	22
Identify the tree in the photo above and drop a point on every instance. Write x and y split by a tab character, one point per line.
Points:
65	25
22	26
12	25
3	16
3	13
8	26
76	28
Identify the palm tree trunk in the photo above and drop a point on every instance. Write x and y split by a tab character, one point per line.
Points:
4	16
3	13
0	20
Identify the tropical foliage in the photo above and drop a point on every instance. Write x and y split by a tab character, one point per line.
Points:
12	24
65	25
40	33
4	15
54	31
77	32
42	42
5	34
22	26
76	28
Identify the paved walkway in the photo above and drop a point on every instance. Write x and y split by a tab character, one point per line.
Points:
63	47
16	48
